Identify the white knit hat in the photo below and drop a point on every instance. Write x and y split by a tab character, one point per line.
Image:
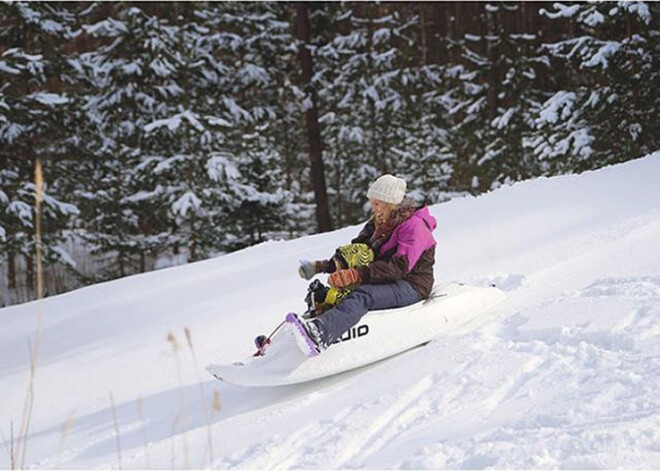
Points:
388	189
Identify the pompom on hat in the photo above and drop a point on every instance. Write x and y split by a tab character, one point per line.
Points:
388	188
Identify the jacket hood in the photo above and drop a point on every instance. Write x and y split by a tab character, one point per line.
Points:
424	214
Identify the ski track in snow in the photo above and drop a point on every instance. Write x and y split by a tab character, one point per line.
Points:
564	374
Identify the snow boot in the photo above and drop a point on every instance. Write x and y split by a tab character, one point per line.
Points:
306	334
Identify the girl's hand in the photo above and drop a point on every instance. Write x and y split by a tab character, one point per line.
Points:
307	269
342	278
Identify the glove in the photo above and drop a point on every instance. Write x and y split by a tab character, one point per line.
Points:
342	278
307	269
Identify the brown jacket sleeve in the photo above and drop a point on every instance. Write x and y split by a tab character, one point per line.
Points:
365	234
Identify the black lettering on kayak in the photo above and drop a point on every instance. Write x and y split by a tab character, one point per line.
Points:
354	333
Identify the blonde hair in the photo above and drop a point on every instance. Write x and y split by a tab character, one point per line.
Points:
390	209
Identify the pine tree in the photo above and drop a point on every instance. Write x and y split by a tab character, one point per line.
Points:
364	76
494	98
263	139
606	111
423	155
33	124
130	79
185	135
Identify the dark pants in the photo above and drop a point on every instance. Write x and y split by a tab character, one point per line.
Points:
349	311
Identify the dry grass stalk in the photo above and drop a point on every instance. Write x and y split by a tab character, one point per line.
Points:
140	403
8	443
67	427
181	418
173	341
202	393
189	338
34	348
116	424
28	406
39	197
217	402
12	450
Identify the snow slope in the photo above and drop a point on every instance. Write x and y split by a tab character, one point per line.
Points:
565	373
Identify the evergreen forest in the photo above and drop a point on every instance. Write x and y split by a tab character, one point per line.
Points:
171	132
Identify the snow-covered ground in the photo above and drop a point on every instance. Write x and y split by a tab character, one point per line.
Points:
565	373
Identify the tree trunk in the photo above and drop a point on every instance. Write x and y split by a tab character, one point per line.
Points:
376	140
312	118
121	262
30	286
422	26
440	44
11	270
492	53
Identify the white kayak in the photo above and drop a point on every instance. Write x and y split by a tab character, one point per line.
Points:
378	335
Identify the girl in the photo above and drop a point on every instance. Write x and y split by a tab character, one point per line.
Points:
401	274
